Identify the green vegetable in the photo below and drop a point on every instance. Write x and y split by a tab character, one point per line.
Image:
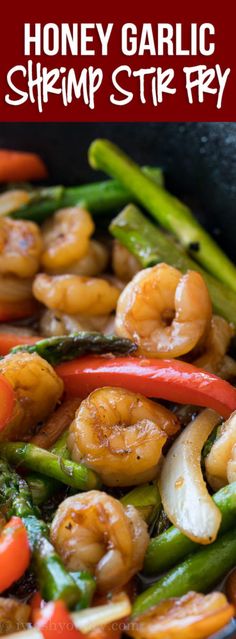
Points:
97	197
172	545
145	498
200	572
67	347
161	523
60	446
31	457
172	214
210	441
151	246
42	487
87	586
53	579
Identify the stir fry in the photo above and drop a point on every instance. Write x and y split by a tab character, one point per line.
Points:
117	410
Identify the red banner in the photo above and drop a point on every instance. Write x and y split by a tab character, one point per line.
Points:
117	62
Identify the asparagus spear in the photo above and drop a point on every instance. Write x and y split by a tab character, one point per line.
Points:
87	585
145	498
41	486
53	579
60	446
67	347
172	214
151	245
98	197
172	546
200	572
31	457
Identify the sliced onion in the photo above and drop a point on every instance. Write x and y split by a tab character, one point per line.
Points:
14	289
184	494
90	618
30	633
13	200
21	331
231	467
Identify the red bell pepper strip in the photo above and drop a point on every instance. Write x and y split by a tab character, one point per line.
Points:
36	603
14	552
54	621
18	166
171	379
7	401
110	631
10	340
10	311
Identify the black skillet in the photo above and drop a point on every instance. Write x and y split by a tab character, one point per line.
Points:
199	160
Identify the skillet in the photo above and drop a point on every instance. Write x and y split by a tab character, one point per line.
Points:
199	160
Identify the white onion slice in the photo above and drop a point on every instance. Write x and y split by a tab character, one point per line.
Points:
30	633
13	200
184	493
15	289
90	618
231	466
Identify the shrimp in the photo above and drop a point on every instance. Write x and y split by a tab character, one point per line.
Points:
20	247
164	312
193	616
55	323
93	531
218	462
92	263
37	387
120	434
214	358
76	294
124	264
66	237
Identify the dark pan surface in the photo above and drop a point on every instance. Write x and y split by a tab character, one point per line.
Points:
199	160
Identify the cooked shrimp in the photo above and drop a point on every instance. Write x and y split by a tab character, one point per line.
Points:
38	389
164	312
93	263
14	289
75	294
55	323
124	264
66	237
193	616
20	247
93	531
214	358
218	461
120	434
